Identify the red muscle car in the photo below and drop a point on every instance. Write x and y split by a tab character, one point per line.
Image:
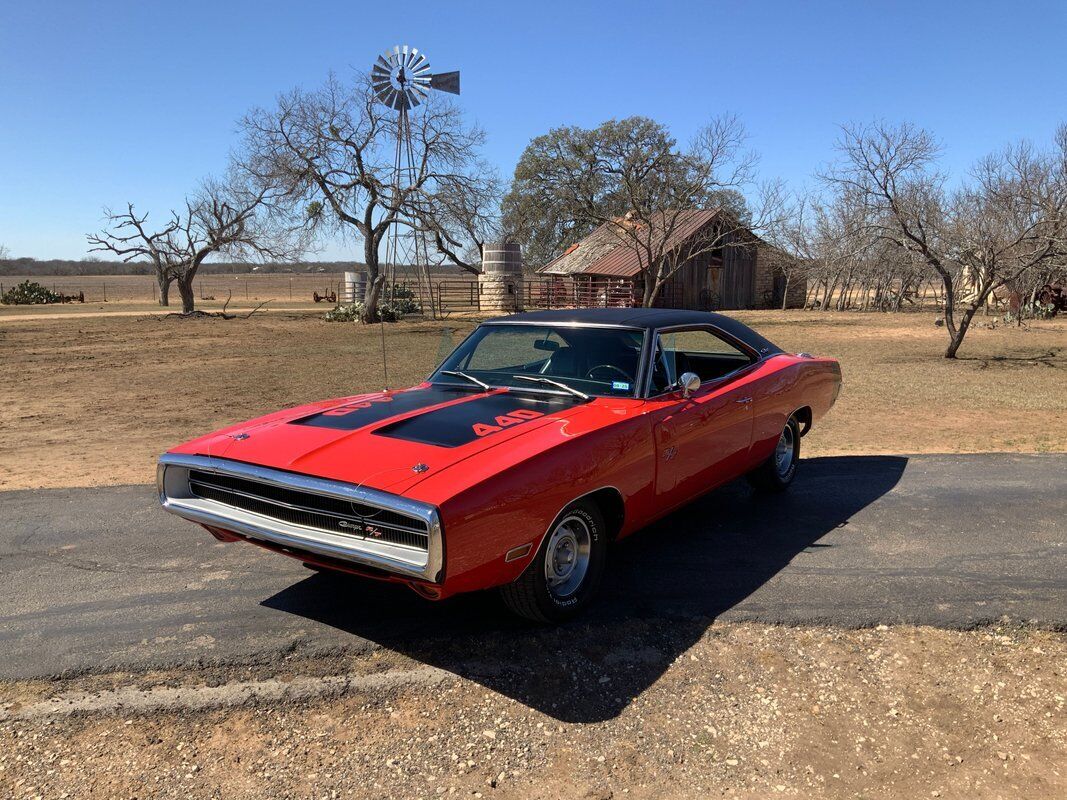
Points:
541	439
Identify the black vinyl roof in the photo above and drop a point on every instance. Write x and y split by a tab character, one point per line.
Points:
647	318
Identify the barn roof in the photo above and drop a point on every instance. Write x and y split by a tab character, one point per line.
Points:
577	257
605	252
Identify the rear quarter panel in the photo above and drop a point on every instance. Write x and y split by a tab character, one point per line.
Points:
796	382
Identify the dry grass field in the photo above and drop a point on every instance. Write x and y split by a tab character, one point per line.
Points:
92	398
111	291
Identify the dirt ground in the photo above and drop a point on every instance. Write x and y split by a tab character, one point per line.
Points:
92	398
749	711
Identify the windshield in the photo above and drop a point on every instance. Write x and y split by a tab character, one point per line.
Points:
596	361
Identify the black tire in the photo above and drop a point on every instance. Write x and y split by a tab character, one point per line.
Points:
531	597
771	476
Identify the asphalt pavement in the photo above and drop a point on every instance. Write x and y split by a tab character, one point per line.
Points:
96	579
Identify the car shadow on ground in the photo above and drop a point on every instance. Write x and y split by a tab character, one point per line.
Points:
664	586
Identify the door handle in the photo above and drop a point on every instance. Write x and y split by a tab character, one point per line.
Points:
744	400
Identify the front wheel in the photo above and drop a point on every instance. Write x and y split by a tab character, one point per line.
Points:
778	471
566	571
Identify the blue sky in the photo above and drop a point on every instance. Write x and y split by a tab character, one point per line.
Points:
101	102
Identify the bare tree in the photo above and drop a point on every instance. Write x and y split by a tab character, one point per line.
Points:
828	240
630	176
793	238
225	217
4	253
462	214
1005	222
333	153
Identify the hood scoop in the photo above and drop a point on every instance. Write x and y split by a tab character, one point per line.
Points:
483	416
377	408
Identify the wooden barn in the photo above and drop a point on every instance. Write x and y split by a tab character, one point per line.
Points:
741	271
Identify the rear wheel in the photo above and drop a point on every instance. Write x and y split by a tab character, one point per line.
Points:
566	571
778	471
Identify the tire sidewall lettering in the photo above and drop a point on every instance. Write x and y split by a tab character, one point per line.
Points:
594	535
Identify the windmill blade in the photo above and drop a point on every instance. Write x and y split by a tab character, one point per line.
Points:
418	62
445	82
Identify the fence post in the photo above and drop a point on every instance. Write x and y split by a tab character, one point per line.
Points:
104	284
290	288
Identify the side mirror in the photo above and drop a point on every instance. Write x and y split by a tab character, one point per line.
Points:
689	382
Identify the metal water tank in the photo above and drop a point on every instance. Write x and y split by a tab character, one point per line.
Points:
500	285
353	287
502	257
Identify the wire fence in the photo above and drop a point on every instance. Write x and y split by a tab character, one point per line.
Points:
556	293
145	289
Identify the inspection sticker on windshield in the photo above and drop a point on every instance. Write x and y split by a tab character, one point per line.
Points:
620	385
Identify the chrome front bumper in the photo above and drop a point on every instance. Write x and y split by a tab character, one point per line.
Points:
177	497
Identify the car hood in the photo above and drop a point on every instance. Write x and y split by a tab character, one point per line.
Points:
389	440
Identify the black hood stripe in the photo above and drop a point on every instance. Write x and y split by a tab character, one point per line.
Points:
461	423
367	412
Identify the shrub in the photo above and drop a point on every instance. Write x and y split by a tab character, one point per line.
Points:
402	300
1034	310
403	305
345	313
389	311
29	293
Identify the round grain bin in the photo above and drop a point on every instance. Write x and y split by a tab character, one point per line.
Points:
500	284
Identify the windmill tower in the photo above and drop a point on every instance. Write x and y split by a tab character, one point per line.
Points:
401	79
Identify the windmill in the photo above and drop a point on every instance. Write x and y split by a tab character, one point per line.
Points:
401	79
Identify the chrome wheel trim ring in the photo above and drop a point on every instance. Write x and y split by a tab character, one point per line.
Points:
784	452
567	556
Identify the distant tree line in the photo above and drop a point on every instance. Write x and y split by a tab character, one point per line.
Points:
98	266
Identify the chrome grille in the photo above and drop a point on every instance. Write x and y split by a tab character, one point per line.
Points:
311	510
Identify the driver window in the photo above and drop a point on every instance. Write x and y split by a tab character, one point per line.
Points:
700	351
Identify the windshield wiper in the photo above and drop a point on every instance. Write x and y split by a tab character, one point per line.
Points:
471	378
550	382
